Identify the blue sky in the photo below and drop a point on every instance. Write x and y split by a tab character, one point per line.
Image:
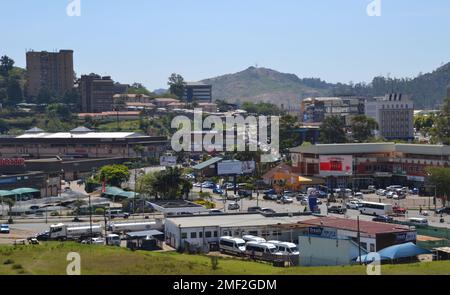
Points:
147	40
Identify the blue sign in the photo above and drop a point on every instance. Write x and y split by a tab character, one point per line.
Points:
8	180
322	232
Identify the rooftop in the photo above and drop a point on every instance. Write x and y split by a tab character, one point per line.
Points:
174	204
368	227
229	220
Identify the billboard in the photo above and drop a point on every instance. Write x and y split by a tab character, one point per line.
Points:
248	167
168	161
336	165
229	167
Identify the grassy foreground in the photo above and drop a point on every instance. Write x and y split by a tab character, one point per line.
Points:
50	259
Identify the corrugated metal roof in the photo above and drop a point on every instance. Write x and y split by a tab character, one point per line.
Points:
207	163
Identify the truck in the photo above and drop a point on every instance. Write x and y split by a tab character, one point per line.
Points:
63	231
134	226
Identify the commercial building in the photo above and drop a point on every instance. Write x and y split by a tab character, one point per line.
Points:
52	70
96	93
132	98
339	241
197	91
359	165
81	143
394	114
317	109
204	231
177	207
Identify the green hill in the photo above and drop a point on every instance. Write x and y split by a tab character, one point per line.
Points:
266	85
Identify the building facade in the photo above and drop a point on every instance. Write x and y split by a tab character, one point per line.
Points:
380	164
96	93
81	143
317	109
394	114
197	91
53	70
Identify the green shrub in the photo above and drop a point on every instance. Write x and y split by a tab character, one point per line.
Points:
8	261
99	211
17	266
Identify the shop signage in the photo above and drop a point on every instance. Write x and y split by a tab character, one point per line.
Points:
13	162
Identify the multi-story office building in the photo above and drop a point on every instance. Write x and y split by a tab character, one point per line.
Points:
316	109
394	114
197	91
52	70
96	93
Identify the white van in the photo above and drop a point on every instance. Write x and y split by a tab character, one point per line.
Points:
255	249
113	240
250	238
232	245
418	221
285	248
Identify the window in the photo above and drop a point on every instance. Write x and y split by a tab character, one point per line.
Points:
193	235
364	245
184	235
372	247
208	234
200	234
253	233
215	234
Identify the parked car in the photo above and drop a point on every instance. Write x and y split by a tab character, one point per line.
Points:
337	210
443	210
301	196
253	209
268	211
353	205
94	241
271	197
208	184
359	195
380	192
232	198
389	195
285	200
398	210
218	191
233	206
244	193
270	192
418	221
4	229
215	212
304	201
383	218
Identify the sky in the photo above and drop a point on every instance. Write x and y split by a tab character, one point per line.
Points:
147	40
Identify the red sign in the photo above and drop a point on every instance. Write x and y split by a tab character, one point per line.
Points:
336	165
12	162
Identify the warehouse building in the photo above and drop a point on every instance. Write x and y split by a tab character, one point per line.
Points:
203	231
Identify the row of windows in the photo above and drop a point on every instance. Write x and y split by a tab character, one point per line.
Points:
194	235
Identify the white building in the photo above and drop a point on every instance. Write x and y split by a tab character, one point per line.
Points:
203	232
394	114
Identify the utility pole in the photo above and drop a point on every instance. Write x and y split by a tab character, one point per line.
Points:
359	241
90	215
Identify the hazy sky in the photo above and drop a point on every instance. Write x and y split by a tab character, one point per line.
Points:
147	40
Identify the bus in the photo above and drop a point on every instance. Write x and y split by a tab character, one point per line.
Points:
375	209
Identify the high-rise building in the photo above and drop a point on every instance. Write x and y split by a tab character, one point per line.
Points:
197	91
394	114
53	70
96	93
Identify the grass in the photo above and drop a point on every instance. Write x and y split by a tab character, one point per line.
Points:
131	125
50	259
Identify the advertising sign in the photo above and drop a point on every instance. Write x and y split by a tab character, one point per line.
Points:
323	232
16	162
168	161
336	165
229	168
248	167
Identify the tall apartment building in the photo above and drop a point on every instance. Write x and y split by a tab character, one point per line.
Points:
96	93
53	70
394	114
316	109
197	91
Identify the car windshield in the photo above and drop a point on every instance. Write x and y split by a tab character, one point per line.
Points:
240	244
293	249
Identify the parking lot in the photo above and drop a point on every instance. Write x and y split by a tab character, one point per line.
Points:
412	203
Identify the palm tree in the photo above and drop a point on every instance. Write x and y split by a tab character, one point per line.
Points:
10	202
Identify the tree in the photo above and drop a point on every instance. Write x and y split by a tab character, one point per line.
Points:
10	203
167	184
45	96
114	175
6	64
440	133
14	92
4	126
332	130
176	85
440	177
71	97
363	127
59	111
